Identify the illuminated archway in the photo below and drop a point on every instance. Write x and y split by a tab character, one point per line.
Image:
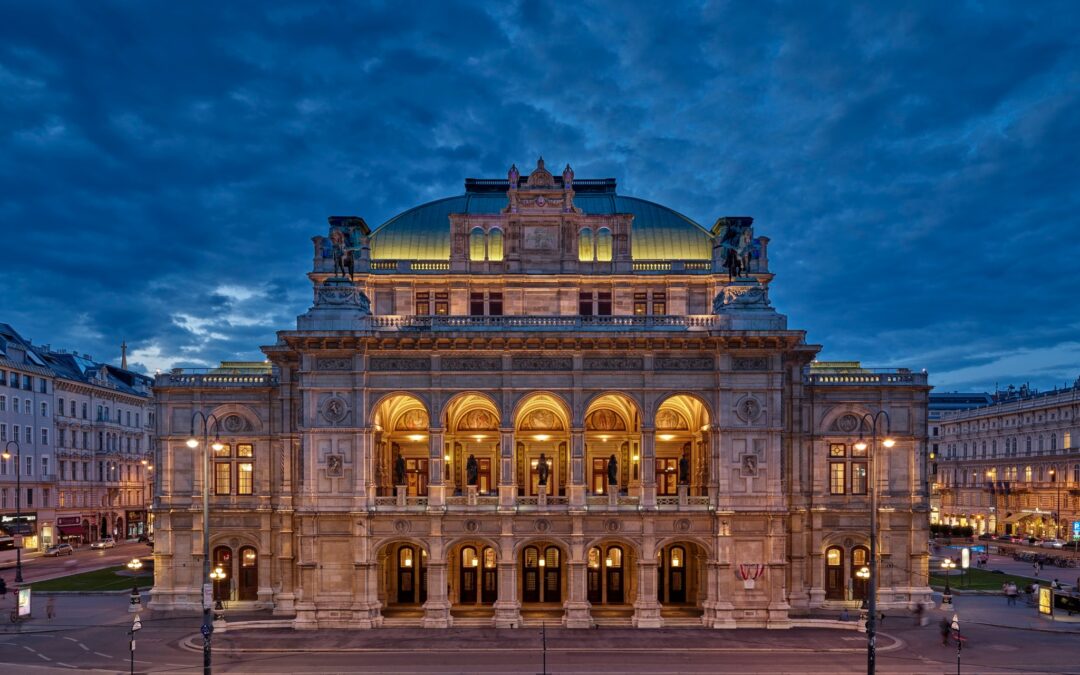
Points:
612	424
682	425
401	423
471	421
541	434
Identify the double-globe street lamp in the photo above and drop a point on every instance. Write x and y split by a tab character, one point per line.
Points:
18	505
1057	503
947	565
861	446
207	421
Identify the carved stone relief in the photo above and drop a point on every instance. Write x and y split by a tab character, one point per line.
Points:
472	364
335	409
673	363
235	424
750	363
543	363
669	420
613	363
391	363
333	364
335	466
748	409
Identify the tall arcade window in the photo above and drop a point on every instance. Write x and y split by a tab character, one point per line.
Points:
477	245
234	469
603	245
585	245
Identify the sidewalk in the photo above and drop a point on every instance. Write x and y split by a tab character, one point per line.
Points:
995	611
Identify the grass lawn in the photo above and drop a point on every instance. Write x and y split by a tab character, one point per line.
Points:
981	580
98	580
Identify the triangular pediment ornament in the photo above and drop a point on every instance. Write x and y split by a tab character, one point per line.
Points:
540	177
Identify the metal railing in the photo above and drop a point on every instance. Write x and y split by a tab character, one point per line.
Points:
874	376
538	322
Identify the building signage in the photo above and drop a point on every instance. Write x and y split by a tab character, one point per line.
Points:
24	602
965	558
1045	600
1076	530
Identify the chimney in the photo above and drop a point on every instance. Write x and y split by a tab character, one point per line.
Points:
123	354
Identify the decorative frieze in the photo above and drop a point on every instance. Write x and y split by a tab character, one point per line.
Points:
386	363
613	363
543	363
333	364
683	363
484	364
750	363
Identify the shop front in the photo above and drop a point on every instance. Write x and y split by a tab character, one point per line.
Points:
136	524
26	525
70	530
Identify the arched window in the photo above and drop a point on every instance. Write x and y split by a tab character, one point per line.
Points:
585	245
1027	474
477	244
469	557
603	244
495	245
1053	441
1076	474
489	558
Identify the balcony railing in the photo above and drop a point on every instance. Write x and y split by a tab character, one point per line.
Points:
873	376
212	377
535	323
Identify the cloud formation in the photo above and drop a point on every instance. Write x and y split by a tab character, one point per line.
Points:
164	166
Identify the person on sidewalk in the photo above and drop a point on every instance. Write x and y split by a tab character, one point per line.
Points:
50	607
1011	593
946	628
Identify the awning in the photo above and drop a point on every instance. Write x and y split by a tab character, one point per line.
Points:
71	530
1017	516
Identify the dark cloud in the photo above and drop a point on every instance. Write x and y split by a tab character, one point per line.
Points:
163	168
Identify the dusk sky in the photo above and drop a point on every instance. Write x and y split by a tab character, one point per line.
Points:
163	166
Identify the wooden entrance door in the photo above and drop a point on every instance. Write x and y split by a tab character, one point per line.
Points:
470	566
676	567
615	582
416	476
834	573
667	476
489	582
412	581
599	475
860	558
530	581
249	574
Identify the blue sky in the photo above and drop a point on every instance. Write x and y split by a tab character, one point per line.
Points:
164	165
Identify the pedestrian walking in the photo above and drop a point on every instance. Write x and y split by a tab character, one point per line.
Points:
1011	593
50	607
3	589
918	613
946	628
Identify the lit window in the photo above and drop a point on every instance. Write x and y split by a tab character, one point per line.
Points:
244	478
837	450
495	245
477	245
222	478
585	245
836	478
603	245
858	478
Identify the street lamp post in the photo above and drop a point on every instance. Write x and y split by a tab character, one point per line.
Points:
871	619
18	505
1057	504
947	565
206	421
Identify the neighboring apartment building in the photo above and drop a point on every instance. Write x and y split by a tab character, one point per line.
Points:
1013	466
940	405
104	419
540	398
28	434
84	433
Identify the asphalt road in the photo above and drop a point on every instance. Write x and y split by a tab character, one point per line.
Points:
90	633
39	568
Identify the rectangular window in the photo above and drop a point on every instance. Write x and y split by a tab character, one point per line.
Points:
3	466
86	440
603	303
72	408
641	303
3	403
244	475
836	478
44	466
442	304
423	303
27	383
60	408
3	377
43	386
225	451
29	496
44	409
245	450
856	452
29	471
858	478
44	436
3	432
84	410
837	450
495	303
15	432
585	303
63	470
29	434
1066	443
222	478
13	380
476	303
659	303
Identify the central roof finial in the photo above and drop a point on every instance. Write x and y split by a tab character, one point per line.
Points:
540	177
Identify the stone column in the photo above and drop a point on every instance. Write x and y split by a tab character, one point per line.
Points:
576	492
507	480
437	607
366	606
436	483
718	611
576	608
646	606
648	469
507	606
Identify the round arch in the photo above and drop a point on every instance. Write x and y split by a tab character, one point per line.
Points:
683	539
541	399
693	407
457	405
404	401
626	406
249	415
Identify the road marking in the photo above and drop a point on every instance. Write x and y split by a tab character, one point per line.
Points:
70	638
30	649
85	648
44	657
104	655
66	665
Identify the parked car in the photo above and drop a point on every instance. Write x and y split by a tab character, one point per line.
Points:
59	550
107	542
1053	543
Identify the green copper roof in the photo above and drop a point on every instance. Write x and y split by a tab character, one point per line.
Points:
423	232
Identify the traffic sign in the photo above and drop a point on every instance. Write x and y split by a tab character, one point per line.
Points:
137	625
206	630
1076	530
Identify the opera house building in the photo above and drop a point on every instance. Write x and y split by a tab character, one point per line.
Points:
540	400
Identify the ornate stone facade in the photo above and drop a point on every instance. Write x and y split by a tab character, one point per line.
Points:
543	421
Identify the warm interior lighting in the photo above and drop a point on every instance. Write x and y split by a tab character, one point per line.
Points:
192	443
608	561
666	437
541	437
408	562
446	457
675	562
479	437
417	437
860	445
889	442
604	438
542	562
637	457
